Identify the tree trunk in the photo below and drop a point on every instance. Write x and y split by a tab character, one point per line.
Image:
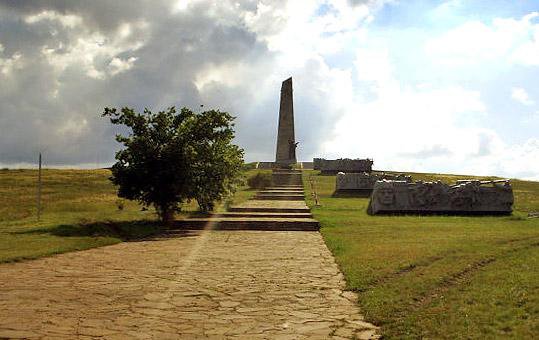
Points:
167	215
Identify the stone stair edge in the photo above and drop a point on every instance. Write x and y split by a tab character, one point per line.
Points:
262	216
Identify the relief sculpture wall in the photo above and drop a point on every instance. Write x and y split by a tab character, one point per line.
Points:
464	197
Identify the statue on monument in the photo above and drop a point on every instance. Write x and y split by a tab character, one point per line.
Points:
292	146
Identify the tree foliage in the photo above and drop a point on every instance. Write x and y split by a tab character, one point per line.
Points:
171	157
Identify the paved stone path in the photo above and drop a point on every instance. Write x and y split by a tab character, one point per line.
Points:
209	284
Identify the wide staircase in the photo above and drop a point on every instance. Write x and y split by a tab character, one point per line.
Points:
280	207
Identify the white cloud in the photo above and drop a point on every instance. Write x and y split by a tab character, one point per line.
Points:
118	65
180	6
520	95
72	127
408	120
468	43
427	127
299	30
373	65
229	74
97	54
66	20
415	128
474	42
519	160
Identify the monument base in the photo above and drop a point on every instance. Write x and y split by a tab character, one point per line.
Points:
286	177
284	166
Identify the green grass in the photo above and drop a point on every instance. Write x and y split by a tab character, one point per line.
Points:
416	276
80	211
438	276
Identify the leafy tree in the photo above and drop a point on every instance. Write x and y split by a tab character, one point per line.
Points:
218	166
172	157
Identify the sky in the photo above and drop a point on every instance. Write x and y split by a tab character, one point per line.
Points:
427	86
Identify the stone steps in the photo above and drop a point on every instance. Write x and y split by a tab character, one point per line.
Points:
281	192
280	197
264	206
265	214
269	210
246	223
280	207
285	188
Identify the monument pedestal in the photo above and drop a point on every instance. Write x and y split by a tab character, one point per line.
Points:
286	177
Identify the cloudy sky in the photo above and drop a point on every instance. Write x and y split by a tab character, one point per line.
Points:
434	86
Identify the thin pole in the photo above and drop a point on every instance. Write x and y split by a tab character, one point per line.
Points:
39	190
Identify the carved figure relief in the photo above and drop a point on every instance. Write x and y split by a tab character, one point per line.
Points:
386	194
472	196
363	181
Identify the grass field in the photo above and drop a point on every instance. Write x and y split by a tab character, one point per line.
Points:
438	276
80	211
416	276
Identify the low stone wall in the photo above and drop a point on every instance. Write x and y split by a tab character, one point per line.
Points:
346	165
265	165
363	183
465	197
307	165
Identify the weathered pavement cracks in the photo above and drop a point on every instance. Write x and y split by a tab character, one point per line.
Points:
215	284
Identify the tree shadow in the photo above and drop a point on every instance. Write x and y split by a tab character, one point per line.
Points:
127	231
352	193
194	214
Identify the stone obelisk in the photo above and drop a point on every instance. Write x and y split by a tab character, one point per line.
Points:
286	143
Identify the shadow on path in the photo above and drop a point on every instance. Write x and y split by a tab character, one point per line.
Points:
124	230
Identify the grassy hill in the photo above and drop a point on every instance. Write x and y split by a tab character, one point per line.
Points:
438	276
80	211
416	276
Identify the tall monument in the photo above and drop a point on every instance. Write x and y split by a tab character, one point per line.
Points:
286	143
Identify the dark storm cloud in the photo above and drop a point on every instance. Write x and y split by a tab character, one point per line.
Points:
102	14
72	54
67	128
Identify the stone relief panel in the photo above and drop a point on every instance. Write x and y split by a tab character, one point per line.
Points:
347	165
364	181
465	197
